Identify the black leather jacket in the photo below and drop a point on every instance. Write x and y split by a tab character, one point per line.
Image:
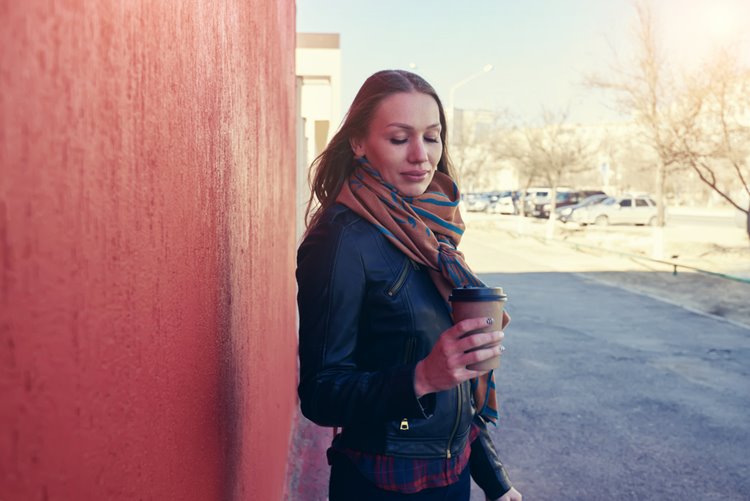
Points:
368	314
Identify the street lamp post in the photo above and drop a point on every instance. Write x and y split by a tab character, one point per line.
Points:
452	94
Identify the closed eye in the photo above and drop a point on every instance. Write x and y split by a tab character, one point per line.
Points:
403	141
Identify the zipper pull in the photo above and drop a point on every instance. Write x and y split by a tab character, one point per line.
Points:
448	453
404	424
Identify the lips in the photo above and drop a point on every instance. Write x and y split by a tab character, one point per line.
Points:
415	175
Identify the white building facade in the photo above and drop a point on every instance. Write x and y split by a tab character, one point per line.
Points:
318	69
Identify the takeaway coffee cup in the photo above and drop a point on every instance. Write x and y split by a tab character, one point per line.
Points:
473	302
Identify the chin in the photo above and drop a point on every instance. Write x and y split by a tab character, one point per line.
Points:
413	191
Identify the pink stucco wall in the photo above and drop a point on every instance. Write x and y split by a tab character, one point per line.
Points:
147	318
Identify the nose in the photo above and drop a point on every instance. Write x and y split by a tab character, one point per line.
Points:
417	152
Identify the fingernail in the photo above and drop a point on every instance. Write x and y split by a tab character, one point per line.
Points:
490	321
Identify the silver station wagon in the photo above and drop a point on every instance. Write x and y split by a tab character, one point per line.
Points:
639	210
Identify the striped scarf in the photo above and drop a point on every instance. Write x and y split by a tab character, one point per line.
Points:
427	229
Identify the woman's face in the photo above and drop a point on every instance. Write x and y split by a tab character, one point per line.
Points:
403	141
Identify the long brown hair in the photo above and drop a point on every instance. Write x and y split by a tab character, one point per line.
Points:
335	164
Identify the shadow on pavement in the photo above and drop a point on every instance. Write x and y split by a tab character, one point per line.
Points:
608	394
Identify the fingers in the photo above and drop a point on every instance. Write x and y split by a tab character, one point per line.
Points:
446	364
480	355
480	339
479	348
470	324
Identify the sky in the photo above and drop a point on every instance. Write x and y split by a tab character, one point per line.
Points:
541	50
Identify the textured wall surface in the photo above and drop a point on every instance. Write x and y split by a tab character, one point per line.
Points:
147	316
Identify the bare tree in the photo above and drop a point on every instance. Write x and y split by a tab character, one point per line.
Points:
512	144
715	137
471	148
548	152
644	89
562	148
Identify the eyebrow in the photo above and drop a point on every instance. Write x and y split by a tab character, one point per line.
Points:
409	127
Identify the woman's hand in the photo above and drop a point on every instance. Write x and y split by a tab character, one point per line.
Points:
511	495
445	366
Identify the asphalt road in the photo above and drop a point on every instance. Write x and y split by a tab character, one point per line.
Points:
608	394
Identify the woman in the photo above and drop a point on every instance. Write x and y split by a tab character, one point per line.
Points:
379	354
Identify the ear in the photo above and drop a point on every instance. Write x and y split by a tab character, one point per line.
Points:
358	147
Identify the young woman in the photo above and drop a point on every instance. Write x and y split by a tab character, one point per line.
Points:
379	354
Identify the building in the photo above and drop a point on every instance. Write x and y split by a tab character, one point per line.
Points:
318	69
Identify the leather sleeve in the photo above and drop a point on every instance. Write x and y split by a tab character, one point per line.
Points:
486	469
333	391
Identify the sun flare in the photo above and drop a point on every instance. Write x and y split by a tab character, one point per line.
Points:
722	21
693	30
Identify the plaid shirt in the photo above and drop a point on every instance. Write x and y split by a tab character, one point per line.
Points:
410	475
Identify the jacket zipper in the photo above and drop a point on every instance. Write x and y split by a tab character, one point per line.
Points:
401	278
458	419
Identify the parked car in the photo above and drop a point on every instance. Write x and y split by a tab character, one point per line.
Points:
540	203
564	213
477	202
564	199
497	195
533	197
480	202
627	209
504	205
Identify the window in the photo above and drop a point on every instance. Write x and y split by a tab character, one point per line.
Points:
640	202
321	135
626	203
